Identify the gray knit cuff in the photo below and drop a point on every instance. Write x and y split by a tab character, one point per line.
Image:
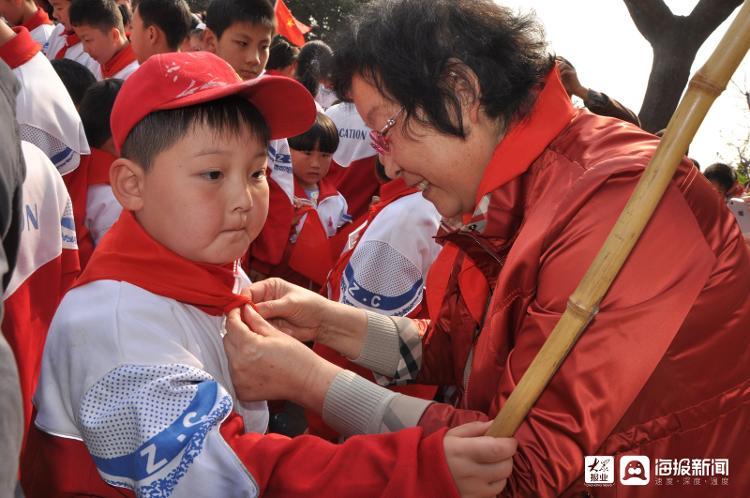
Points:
354	405
380	351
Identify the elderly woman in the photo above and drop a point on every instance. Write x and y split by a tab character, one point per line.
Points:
468	106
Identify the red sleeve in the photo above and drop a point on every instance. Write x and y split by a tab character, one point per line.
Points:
615	356
395	465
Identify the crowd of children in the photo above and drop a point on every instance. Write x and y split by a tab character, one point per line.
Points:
163	163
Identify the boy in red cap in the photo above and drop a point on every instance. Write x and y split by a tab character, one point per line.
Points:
28	14
99	25
137	387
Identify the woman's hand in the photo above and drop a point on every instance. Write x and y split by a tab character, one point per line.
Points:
266	364
292	309
308	316
480	464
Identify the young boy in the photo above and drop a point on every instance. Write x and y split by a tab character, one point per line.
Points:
94	205
137	385
98	23
75	76
63	43
28	14
159	26
45	113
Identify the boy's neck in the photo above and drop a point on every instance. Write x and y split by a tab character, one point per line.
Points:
6	33
309	187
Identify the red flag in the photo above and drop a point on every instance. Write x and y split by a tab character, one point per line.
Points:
289	27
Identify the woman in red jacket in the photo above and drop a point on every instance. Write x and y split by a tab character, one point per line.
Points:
468	106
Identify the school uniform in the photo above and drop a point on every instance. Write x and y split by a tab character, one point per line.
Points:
46	266
383	269
40	26
95	207
353	167
135	393
66	45
120	66
45	112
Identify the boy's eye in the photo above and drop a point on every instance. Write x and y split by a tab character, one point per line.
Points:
212	175
241	43
261	173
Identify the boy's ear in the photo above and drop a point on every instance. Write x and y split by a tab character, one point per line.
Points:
152	34
210	40
127	179
114	35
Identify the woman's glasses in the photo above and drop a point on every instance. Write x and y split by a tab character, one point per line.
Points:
379	140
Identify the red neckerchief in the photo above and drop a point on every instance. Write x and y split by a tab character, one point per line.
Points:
551	113
71	38
128	254
118	62
39	18
20	49
389	193
92	170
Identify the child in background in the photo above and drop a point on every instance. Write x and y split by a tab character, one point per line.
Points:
319	209
99	25
135	391
46	265
95	207
75	76
45	113
159	26
63	42
28	14
282	58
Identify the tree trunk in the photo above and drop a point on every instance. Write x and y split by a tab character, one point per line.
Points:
675	41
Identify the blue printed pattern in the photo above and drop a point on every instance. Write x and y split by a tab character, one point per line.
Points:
356	294
144	425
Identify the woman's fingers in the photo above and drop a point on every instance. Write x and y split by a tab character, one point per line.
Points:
256	323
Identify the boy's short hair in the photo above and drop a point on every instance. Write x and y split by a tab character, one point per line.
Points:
96	108
75	76
160	130
100	14
721	173
171	16
282	54
223	13
172	92
323	136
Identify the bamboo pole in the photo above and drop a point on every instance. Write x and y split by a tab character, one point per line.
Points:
707	84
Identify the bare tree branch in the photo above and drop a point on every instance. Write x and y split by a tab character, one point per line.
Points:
709	14
651	17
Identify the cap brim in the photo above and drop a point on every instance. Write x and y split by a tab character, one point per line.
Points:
286	106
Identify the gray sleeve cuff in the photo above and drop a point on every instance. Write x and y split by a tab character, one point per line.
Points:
354	405
380	351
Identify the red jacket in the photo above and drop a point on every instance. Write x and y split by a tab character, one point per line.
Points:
664	368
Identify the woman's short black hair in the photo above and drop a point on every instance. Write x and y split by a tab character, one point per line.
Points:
721	173
75	76
96	109
282	54
160	130
418	52
314	65
323	136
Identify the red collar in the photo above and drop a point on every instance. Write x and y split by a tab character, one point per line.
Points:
127	253
39	18
394	189
20	49
101	161
552	111
71	38
118	62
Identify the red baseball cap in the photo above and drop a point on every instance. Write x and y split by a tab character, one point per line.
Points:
181	79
